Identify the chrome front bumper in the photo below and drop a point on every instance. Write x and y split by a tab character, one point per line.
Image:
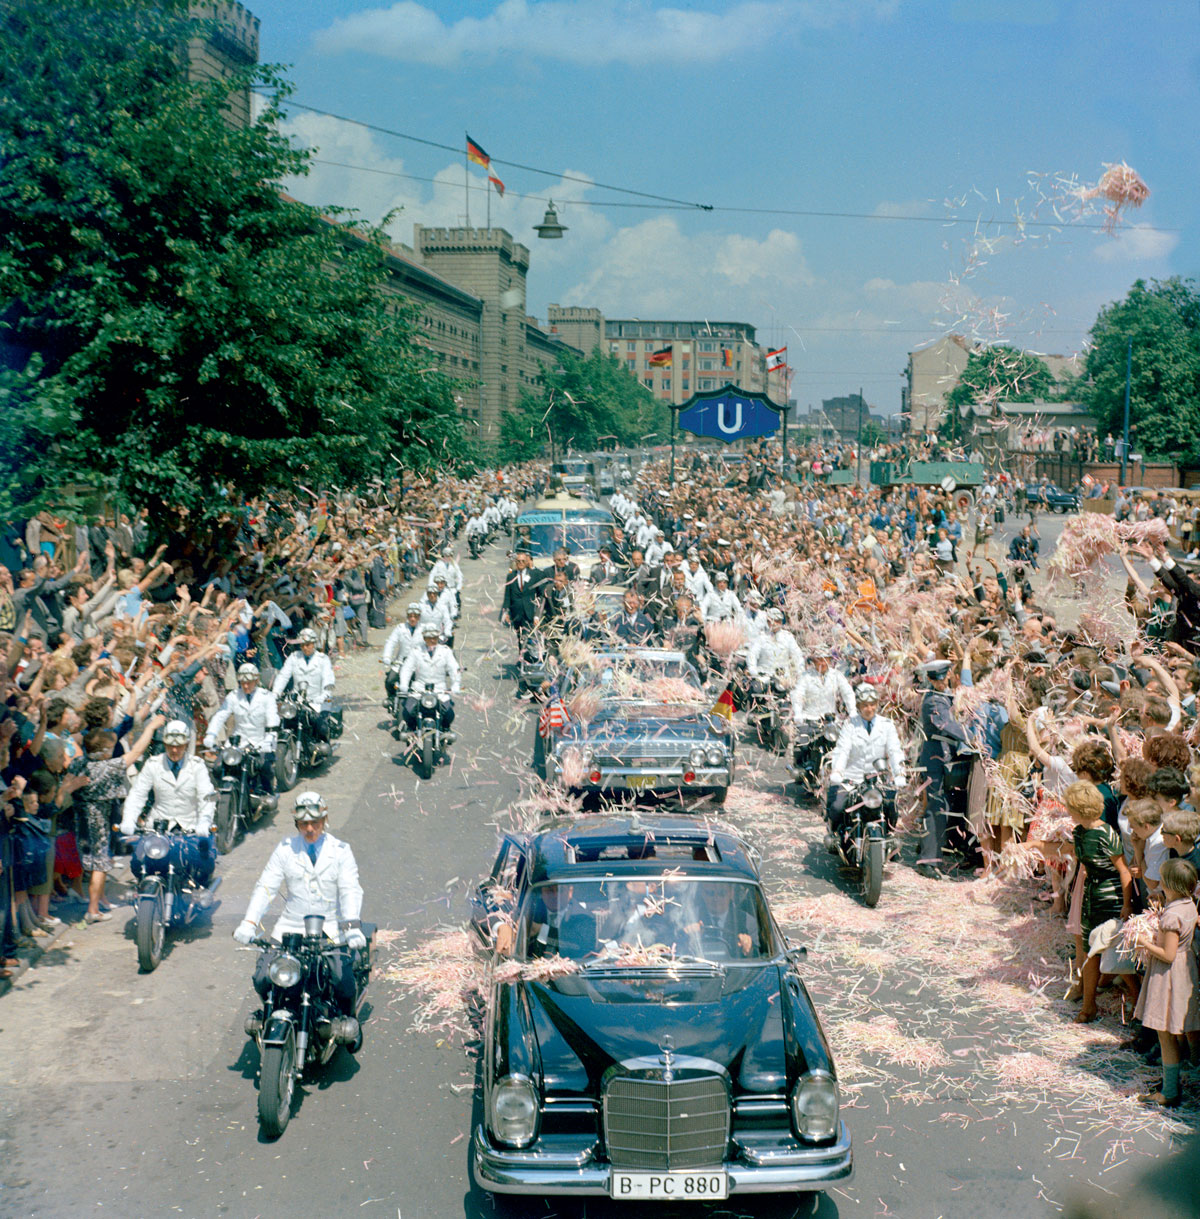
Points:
628	778
568	1164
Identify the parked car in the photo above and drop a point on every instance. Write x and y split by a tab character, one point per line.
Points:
1052	498
648	1034
637	721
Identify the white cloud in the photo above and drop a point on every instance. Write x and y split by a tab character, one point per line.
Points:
632	32
1136	244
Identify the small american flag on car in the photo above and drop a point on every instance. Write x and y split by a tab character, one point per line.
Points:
553	717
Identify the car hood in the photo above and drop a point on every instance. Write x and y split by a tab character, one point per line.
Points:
586	1022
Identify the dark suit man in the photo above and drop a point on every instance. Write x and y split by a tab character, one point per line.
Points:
605	571
633	626
521	597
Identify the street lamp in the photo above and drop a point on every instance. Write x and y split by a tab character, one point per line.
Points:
550	228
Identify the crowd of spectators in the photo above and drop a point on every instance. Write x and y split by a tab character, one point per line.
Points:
110	627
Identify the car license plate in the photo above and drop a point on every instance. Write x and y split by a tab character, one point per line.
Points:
637	782
685	1186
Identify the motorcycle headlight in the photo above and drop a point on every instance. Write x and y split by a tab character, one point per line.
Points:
428	700
815	1106
285	971
872	799
231	756
514	1111
156	847
831	735
288	709
715	755
696	757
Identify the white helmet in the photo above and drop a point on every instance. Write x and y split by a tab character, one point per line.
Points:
414	607
775	615
431	628
308	635
246	671
176	733
867	693
310	806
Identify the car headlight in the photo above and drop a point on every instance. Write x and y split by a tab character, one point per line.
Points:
156	847
715	756
514	1111
872	798
696	757
815	1106
285	971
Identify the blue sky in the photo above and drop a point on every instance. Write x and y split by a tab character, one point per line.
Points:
879	108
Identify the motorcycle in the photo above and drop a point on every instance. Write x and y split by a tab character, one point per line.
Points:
166	896
299	1023
863	844
811	745
237	804
429	741
473	545
297	745
770	716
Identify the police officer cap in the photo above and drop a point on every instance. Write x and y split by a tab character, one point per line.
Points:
176	733
935	670
308	635
724	542
447	553
414	607
721	577
310	806
866	693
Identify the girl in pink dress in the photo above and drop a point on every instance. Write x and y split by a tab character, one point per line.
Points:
1168	1002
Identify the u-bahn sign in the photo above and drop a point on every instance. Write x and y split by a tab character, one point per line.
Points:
729	414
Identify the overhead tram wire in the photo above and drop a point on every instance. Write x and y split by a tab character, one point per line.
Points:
667	203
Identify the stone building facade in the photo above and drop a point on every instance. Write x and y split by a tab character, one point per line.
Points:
229	45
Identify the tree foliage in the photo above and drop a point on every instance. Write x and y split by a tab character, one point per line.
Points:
169	320
994	375
1162	321
584	399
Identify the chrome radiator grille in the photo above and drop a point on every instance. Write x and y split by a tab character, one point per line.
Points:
650	1123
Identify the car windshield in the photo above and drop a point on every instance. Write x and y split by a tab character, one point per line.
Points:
579	537
647	922
643	679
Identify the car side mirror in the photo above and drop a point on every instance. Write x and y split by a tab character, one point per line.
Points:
796	952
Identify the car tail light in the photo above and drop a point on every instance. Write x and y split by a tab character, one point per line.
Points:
689	776
594	777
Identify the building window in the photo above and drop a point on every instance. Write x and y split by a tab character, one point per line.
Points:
685	385
631	364
649	382
708	347
686	362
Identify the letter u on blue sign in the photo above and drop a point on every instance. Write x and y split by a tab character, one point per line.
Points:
721	423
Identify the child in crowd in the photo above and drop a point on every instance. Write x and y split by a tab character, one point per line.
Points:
1181	835
1144	850
1168	1002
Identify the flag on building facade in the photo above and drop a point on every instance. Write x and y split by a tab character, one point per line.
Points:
726	357
476	154
660	359
776	359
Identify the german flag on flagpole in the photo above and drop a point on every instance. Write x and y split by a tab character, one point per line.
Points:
661	358
496	183
476	154
724	706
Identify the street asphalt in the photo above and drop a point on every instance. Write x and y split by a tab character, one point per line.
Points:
133	1094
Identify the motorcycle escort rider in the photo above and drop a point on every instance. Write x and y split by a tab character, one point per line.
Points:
820	690
866	740
255	716
312	674
775	653
184	797
448	569
320	876
435	612
402	640
432	664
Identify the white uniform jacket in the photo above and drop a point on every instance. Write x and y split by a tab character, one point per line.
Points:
717	606
188	801
775	654
437	668
698	584
816	697
330	887
313	677
400	642
448	570
448	600
255	719
439	615
857	751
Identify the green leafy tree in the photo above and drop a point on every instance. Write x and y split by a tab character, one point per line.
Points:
583	399
169	320
994	375
1162	321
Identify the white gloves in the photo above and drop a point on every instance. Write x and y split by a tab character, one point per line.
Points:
355	938
244	932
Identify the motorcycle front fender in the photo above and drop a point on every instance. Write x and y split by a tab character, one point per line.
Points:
280	1026
150	886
